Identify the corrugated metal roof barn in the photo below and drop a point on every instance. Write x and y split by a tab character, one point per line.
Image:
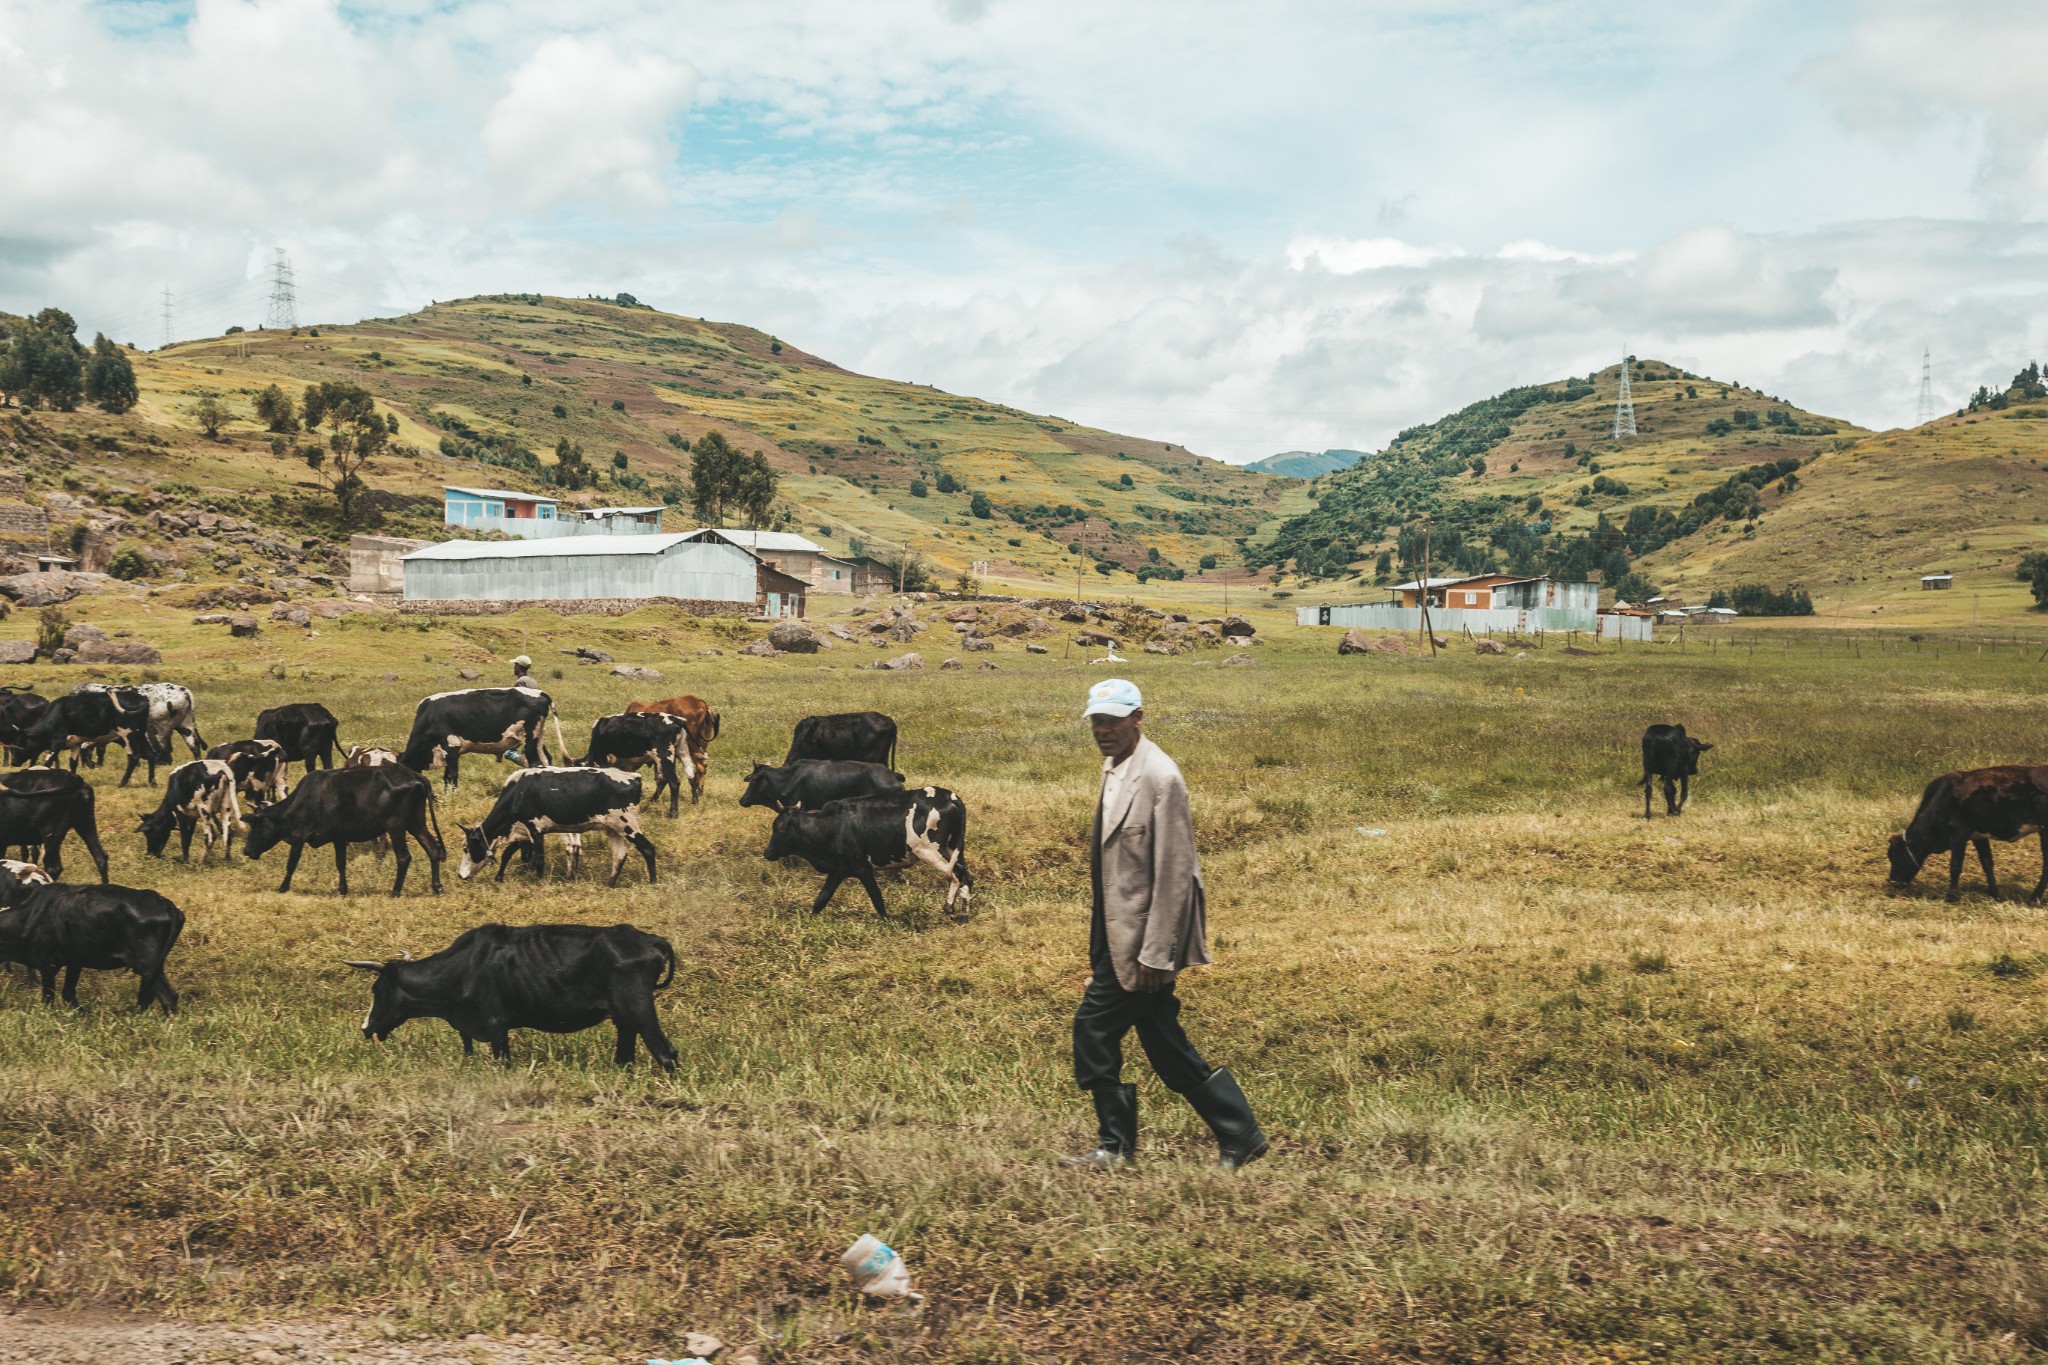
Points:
582	567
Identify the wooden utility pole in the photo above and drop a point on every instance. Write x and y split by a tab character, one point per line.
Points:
1428	627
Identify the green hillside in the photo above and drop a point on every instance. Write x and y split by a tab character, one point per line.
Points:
484	389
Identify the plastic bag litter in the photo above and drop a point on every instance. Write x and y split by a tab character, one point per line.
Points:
877	1270
1369	833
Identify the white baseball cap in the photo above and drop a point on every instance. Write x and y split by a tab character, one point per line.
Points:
1113	697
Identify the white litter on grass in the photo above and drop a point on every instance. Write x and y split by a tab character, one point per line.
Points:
877	1270
1371	833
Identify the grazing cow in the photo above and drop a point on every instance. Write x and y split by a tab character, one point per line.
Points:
19	710
488	720
634	739
856	736
259	766
1669	753
701	724
303	729
559	978
46	926
854	838
812	782
198	793
341	806
84	719
541	801
171	712
368	756
38	808
1974	807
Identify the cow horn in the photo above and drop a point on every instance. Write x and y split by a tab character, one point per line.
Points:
363	966
405	956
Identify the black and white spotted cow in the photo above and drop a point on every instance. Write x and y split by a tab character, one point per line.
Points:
197	795
570	801
634	739
856	837
259	766
478	720
171	712
369	756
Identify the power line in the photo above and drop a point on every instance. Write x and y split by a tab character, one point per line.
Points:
1926	386
1624	406
284	308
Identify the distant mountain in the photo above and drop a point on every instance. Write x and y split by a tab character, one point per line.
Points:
1306	464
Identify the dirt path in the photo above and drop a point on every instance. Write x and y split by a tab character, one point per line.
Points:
40	1336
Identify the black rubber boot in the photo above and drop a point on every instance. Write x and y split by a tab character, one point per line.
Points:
1228	1113
1116	1124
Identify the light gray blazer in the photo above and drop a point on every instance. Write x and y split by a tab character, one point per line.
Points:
1148	878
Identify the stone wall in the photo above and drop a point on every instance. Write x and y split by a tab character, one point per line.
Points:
576	606
376	563
19	521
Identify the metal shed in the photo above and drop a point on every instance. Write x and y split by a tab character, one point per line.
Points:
572	567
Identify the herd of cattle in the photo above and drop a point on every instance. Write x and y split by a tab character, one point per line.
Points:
837	800
837	803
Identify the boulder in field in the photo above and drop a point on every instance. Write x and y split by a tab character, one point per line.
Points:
1391	644
17	651
83	633
1234	624
118	652
1161	646
1355	641
1033	647
48	589
905	629
760	649
904	661
1489	647
986	666
1236	659
949	665
975	644
242	626
964	613
467	674
839	632
793	637
635	673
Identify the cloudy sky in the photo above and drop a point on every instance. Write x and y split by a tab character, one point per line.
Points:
1242	228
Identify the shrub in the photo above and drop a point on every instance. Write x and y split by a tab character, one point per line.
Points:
917	488
129	563
1208	562
51	623
980	506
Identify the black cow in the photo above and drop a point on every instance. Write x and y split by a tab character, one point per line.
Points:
812	782
19	710
1669	753
541	801
1974	807
559	978
854	838
487	720
201	792
84	719
341	806
633	739
38	808
856	736
259	766
170	711
97	928
305	730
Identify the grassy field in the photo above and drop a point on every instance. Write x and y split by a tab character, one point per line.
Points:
1547	1081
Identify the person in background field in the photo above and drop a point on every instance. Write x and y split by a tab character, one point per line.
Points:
1147	924
522	672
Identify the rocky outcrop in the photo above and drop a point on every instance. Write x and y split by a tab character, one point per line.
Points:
794	637
117	652
1355	641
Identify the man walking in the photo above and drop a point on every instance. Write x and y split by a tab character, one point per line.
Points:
1147	925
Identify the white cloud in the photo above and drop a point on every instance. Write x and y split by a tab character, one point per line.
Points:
1350	255
580	117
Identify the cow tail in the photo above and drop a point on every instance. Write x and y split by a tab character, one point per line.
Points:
714	725
953	828
434	819
668	951
561	745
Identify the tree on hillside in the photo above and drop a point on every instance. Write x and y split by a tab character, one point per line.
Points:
41	362
570	470
356	434
210	414
274	409
109	378
726	485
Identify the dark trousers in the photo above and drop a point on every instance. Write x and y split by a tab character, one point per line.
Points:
1108	1012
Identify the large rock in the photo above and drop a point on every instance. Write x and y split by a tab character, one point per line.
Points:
48	589
949	665
242	626
1161	646
117	652
1234	624
1094	637
974	644
964	613
793	637
761	649
637	674
839	632
1355	641
1033	647
905	629
17	651
1238	659
903	661
1489	647
83	633
1391	644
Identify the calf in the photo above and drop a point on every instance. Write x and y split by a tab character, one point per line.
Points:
38	808
85	719
368	756
1974	807
259	767
340	806
303	729
170	711
541	801
1669	753
559	978
857	736
636	738
19	710
199	793
488	720
812	782
700	723
48	926
854	838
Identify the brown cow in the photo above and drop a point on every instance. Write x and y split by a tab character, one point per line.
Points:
700	727
1974	807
